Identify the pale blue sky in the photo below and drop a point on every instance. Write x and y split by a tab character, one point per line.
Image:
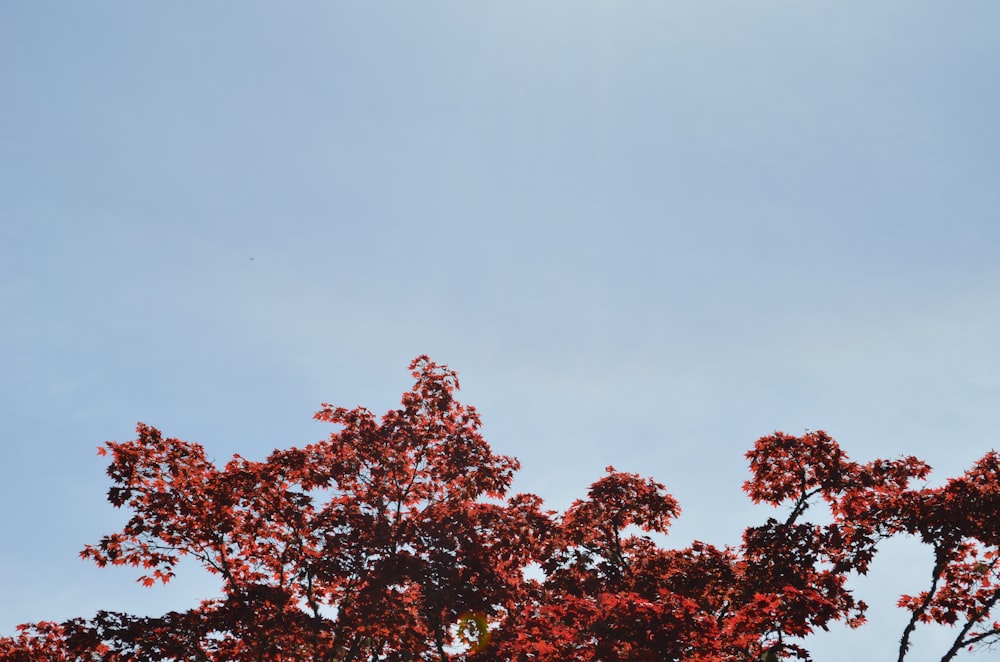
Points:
644	233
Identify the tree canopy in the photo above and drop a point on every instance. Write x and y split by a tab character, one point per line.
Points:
397	538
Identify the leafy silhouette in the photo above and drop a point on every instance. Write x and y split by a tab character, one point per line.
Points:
397	539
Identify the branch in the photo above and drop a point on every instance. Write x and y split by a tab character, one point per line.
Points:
904	642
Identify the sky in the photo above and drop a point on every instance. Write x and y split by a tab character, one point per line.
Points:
644	233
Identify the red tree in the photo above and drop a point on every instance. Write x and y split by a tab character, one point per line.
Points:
396	539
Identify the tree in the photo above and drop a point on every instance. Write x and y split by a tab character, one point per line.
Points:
397	539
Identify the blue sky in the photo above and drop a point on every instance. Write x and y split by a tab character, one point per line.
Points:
644	233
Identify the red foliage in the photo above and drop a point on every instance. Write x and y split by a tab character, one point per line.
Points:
397	539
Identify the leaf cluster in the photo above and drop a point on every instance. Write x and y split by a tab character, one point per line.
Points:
397	539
